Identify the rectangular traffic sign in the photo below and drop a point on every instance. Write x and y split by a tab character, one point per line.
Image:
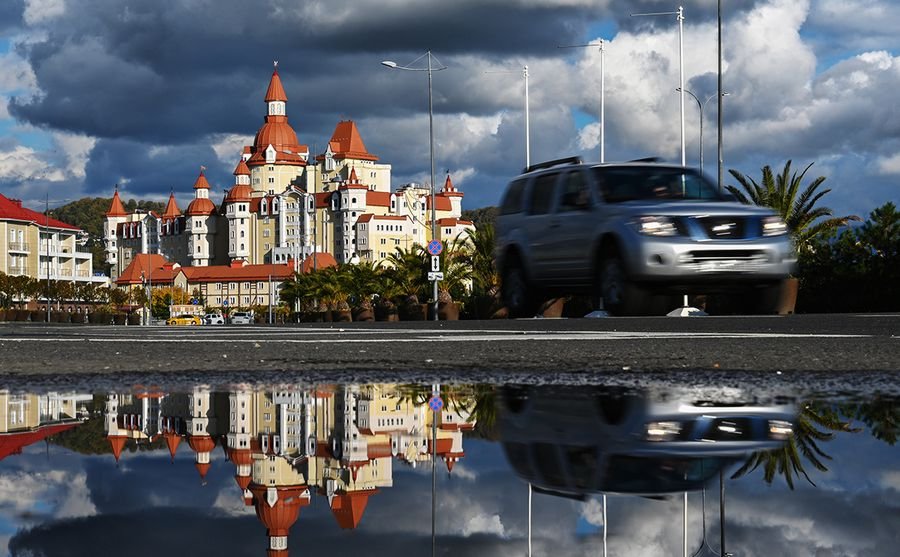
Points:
435	276
435	263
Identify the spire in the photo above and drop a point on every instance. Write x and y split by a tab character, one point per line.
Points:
275	91
116	209
353	178
448	184
172	211
201	182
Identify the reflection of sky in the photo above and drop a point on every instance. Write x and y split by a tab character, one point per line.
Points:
89	506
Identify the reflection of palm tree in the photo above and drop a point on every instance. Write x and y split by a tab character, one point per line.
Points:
882	417
787	460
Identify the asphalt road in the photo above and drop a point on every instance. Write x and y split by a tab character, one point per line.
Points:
833	352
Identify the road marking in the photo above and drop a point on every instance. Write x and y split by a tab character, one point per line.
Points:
432	337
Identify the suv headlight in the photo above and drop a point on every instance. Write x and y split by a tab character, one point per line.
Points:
656	226
780	430
662	431
773	226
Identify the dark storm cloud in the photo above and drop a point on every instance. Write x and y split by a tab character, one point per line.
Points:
150	172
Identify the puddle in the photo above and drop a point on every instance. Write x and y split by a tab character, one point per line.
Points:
387	469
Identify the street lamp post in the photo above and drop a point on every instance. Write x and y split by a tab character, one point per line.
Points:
680	16
701	106
602	96
431	68
527	125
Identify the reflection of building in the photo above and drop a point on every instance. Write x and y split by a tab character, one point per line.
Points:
286	205
288	444
26	419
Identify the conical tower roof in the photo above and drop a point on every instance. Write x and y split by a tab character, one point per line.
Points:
275	92
172	211
116	209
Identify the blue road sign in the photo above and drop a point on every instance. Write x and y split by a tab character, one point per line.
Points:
435	403
195	301
435	247
224	302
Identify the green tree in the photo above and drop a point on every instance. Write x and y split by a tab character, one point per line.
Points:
481	217
407	270
796	206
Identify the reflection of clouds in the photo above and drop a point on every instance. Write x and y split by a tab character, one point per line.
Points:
891	480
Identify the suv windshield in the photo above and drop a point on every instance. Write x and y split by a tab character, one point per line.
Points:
616	185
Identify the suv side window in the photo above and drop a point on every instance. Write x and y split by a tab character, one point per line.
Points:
542	193
574	194
512	201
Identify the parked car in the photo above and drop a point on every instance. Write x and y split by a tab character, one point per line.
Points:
632	233
214	319
241	318
184	320
575	441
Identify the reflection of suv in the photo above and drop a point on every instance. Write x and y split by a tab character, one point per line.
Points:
241	318
573	441
625	231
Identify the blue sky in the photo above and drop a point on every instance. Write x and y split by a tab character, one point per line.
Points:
139	94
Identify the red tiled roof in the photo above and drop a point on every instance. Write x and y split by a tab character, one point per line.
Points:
441	203
223	273
239	192
11	209
378	199
346	143
200	206
348	508
201	182
275	92
172	211
453	221
318	260
154	266
241	169
366	217
116	209
12	443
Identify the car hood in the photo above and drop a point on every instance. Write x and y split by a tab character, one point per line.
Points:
693	208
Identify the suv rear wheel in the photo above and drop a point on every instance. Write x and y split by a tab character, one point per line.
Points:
518	296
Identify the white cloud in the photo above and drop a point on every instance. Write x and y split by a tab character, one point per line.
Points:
889	165
40	11
23	163
77	149
228	147
484	524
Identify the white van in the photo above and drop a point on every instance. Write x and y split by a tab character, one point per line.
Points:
241	318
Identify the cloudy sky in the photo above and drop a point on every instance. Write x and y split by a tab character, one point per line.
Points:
99	92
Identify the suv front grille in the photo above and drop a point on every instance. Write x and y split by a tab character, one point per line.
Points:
730	228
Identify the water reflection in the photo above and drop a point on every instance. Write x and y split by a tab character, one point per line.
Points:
259	471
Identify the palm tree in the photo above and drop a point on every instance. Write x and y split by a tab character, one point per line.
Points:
478	255
787	460
783	194
408	271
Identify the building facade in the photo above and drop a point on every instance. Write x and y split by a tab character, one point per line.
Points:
286	205
40	247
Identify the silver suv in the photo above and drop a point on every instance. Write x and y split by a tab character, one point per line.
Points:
634	235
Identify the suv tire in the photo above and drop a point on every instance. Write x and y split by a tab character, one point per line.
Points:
518	296
620	296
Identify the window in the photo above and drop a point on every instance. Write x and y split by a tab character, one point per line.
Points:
232	285
575	194
218	286
247	285
542	193
512	202
271	180
265	233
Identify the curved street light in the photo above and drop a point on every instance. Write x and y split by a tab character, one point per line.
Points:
701	106
431	68
602	95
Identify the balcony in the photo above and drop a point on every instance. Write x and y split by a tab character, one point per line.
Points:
18	271
20	246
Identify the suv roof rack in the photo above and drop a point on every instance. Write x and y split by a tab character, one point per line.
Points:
548	164
647	159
